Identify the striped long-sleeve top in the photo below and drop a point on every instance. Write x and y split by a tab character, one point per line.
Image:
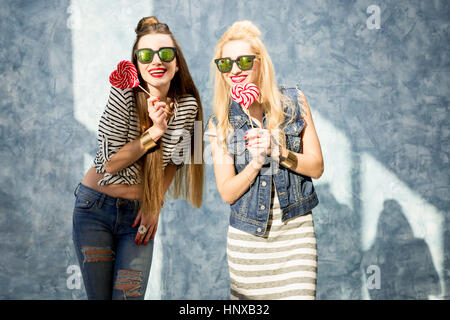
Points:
119	124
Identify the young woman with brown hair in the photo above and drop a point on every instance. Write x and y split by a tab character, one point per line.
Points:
144	143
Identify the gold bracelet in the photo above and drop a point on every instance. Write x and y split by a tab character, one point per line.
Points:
290	161
147	141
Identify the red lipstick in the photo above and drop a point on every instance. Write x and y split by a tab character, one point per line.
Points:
157	72
239	78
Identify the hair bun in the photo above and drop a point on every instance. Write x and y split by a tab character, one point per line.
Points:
146	21
245	26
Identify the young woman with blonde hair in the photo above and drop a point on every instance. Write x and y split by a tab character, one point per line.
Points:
263	169
144	143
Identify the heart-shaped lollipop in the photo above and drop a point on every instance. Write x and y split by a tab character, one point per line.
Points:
125	76
245	94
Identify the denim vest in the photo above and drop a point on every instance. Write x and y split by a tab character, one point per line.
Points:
295	192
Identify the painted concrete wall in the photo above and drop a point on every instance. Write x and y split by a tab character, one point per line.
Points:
376	77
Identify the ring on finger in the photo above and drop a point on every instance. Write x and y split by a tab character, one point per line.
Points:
142	229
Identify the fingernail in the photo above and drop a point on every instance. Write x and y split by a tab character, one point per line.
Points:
140	242
145	242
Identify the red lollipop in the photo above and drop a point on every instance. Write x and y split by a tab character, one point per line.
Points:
245	95
125	76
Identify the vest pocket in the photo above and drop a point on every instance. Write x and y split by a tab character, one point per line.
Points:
293	134
306	187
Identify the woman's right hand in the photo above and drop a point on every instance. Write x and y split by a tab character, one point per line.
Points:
150	223
258	144
157	112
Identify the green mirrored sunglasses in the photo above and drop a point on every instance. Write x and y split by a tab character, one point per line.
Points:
243	62
145	55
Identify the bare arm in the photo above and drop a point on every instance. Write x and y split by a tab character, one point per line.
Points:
130	152
310	162
230	185
133	150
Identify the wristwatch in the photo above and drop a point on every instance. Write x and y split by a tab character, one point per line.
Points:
290	161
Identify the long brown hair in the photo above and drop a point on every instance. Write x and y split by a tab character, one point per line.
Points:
191	176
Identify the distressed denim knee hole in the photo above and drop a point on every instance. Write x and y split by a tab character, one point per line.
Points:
129	282
97	254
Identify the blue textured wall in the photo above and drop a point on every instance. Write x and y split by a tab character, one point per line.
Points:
379	98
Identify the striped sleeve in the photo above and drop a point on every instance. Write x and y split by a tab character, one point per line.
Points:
177	139
114	126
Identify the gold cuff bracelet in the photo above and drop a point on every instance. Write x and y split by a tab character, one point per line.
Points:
147	141
290	161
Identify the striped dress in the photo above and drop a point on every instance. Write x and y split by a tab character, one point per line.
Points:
280	265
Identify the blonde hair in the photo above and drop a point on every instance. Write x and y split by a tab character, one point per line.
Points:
270	97
189	180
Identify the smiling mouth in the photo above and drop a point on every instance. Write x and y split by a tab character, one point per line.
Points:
238	79
157	72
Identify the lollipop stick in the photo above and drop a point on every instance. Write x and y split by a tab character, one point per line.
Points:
249	118
145	91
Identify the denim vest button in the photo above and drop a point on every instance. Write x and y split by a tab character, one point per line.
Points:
263	207
259	229
264	183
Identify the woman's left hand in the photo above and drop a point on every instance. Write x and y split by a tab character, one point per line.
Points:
150	222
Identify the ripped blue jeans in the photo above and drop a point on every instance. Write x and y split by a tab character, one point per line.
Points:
113	266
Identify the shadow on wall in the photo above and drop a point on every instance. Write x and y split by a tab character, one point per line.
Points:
406	270
338	246
397	266
42	150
